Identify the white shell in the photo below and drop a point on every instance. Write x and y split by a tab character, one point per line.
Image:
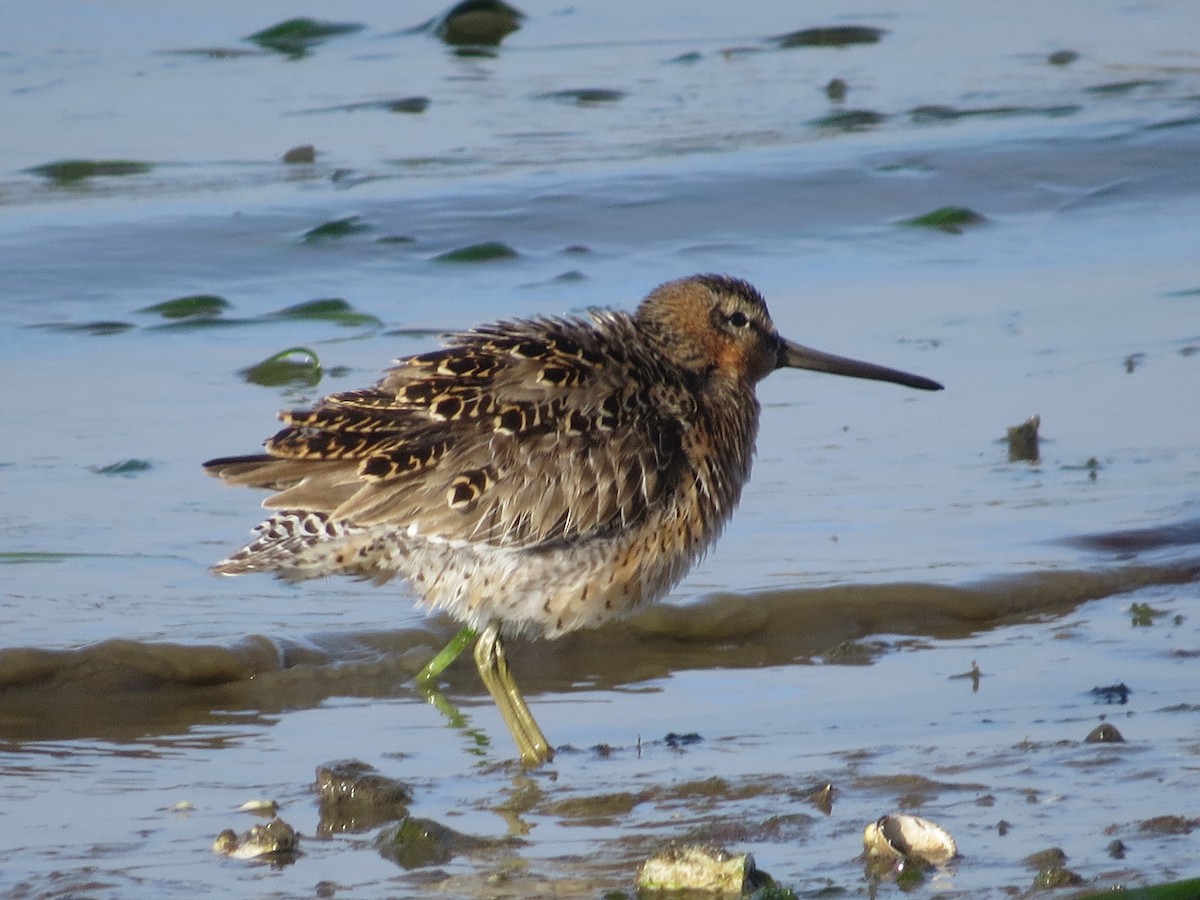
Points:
904	837
259	806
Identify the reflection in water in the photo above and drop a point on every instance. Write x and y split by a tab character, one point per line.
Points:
120	689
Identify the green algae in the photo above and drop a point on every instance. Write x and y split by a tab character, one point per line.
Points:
335	229
191	306
295	37
331	309
950	219
488	251
830	36
293	366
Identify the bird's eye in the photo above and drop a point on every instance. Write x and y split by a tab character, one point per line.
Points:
737	319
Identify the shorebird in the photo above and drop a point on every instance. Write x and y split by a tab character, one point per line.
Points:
538	476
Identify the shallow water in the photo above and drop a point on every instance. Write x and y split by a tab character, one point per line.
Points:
884	543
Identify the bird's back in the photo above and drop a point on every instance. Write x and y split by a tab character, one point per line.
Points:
547	472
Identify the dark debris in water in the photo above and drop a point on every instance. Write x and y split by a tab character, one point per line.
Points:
974	675
1144	615
1181	122
830	36
124	467
1062	57
850	120
101	328
938	113
214	52
69	171
1112	693
399	105
854	653
407	105
584	96
1115	88
1091	465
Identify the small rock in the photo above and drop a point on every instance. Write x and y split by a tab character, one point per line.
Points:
696	868
1023	441
479	23
275	841
836	90
304	155
354	797
1104	734
416	843
1168	825
1051	857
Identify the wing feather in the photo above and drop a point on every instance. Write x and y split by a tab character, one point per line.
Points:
515	434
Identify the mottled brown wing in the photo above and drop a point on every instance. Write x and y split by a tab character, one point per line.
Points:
516	434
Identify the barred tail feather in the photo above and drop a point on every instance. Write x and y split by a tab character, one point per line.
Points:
300	545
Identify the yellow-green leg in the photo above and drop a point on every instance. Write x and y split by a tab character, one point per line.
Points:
492	663
445	656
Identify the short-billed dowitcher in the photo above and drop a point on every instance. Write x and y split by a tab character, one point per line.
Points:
537	475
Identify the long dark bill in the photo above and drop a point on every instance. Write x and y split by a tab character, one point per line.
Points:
796	356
